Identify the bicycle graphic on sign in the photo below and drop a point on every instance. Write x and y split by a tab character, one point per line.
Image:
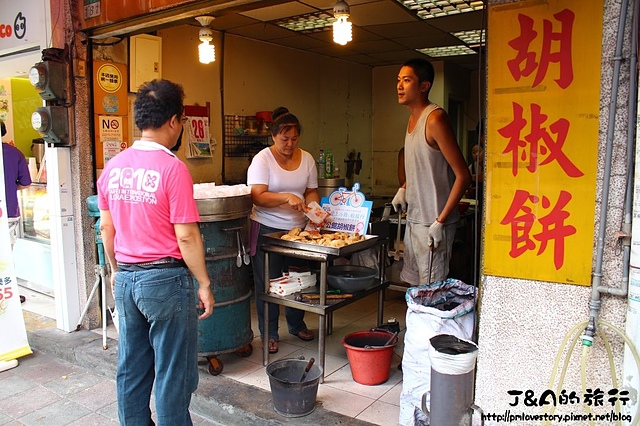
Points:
353	198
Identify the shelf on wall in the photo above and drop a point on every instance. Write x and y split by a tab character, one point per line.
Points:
237	144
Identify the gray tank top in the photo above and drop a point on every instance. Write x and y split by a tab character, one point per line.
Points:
429	176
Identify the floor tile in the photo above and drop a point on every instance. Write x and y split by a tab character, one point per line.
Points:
37	302
28	401
110	411
73	383
393	395
44	373
12	385
343	402
61	412
234	367
97	396
342	379
381	413
94	419
4	419
258	379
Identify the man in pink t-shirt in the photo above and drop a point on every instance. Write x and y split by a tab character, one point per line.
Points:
149	225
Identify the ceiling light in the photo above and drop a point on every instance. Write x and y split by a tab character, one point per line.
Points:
426	9
439	52
307	23
342	26
206	51
471	37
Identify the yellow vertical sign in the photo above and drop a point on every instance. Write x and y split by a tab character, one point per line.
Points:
542	139
110	105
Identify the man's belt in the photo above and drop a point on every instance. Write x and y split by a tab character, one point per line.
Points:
165	262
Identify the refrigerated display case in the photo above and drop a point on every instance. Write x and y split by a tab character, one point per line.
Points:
33	246
34	212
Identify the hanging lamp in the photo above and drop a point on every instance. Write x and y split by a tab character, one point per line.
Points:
342	26
206	51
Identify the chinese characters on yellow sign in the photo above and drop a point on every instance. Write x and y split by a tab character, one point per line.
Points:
542	139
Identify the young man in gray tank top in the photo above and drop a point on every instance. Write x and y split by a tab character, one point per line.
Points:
437	177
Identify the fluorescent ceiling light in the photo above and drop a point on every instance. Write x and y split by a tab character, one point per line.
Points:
427	9
471	37
439	52
307	23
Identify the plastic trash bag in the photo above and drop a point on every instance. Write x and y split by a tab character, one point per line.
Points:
443	307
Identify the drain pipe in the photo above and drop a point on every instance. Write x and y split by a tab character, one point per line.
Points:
624	235
596	284
629	370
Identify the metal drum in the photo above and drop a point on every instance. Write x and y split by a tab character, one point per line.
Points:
224	224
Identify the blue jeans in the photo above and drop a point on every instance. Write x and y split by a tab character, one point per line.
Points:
277	264
157	339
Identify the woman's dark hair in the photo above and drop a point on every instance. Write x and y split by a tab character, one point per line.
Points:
3	128
282	121
423	70
156	102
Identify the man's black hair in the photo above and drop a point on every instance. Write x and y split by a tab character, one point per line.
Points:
156	102
422	68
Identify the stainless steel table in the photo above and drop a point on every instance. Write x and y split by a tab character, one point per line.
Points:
325	307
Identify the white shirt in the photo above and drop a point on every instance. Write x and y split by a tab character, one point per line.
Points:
265	170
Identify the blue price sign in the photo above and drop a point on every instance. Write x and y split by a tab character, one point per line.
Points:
349	210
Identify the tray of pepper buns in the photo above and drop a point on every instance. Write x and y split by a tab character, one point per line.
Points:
327	242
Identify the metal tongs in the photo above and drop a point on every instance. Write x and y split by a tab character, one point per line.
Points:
243	255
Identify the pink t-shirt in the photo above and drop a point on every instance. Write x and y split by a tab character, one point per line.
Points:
146	189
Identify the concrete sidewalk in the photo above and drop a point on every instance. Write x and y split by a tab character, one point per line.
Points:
70	380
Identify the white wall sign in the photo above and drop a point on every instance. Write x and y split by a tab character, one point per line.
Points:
23	26
110	128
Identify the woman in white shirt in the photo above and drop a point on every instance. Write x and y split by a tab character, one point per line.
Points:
283	181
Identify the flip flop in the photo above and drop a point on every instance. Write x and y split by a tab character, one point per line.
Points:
273	346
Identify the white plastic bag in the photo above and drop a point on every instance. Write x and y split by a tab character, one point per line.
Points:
443	307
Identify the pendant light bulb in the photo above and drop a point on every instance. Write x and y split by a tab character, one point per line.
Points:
206	51
341	27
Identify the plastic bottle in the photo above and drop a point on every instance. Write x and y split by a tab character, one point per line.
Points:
320	164
336	172
237	128
328	165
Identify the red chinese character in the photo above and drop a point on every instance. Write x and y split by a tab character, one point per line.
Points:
538	147
524	63
521	218
554	228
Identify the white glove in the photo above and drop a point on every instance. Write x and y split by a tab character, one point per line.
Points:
436	234
399	201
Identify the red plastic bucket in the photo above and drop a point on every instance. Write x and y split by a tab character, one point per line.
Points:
369	359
